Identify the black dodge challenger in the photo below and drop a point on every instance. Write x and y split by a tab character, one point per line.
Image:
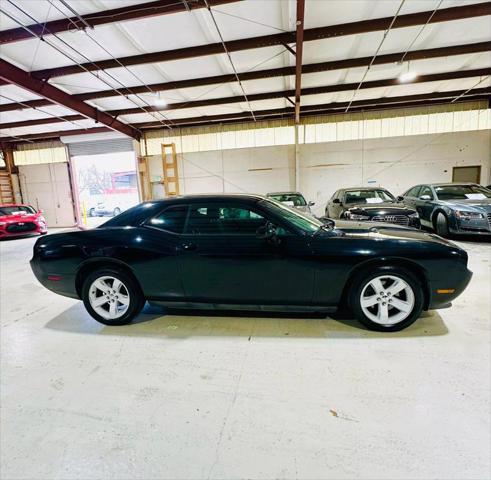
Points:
250	252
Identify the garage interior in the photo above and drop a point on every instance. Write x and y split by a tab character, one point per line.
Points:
105	103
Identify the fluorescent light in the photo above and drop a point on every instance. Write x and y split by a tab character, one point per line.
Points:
408	76
159	101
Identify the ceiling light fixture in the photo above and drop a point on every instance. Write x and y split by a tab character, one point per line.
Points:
408	75
159	101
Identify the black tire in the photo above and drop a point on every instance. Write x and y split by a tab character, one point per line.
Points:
362	280
441	225
92	212
136	297
116	212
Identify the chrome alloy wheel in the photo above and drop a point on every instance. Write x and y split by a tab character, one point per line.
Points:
109	297
387	300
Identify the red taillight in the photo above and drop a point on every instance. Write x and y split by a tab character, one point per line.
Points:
55	278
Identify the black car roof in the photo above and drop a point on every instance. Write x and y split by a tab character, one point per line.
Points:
209	196
142	211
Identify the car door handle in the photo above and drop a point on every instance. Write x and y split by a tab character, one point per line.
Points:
189	246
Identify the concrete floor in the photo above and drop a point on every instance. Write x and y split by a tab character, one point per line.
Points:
223	397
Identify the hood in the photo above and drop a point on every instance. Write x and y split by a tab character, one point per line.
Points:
20	217
386	208
386	230
472	205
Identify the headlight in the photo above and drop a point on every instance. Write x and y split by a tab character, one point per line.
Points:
414	215
354	216
468	215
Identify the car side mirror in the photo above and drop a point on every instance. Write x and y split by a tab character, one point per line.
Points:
336	200
400	198
40	210
311	204
425	197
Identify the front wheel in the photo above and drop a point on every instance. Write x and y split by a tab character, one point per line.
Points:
442	225
112	297
387	299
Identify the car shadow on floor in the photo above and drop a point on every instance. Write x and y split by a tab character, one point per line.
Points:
159	322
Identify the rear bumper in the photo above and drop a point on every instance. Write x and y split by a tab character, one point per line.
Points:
62	284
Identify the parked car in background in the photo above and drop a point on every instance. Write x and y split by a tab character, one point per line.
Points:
110	207
370	205
19	219
104	209
292	199
452	208
250	252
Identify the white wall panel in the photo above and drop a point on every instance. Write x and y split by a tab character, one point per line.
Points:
47	187
395	163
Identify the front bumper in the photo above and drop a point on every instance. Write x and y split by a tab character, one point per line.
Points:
444	291
39	230
473	226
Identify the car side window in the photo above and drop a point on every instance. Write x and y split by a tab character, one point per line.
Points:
172	219
426	191
220	219
413	192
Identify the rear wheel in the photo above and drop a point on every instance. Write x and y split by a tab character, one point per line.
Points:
387	299
441	225
112	297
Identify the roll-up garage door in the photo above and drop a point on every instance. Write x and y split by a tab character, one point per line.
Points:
100	147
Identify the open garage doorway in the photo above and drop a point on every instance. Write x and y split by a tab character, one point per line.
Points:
105	180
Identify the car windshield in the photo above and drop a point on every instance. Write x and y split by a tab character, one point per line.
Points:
368	196
292	199
16	209
303	221
462	192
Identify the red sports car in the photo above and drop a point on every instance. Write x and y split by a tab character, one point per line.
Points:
17	220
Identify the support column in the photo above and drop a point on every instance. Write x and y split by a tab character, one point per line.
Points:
297	159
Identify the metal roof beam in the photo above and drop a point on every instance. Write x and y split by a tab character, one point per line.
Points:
405	101
16	76
269	73
369	104
365	26
265	96
130	12
306	91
